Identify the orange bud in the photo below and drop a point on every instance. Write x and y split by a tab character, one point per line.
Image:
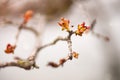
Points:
75	55
28	14
9	49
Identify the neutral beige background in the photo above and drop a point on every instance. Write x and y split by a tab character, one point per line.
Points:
98	60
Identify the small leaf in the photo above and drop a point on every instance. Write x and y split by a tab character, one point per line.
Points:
52	64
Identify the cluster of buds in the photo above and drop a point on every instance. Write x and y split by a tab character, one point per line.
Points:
81	29
64	23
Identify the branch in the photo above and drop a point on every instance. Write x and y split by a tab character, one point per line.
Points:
93	24
32	30
23	26
30	62
38	49
21	63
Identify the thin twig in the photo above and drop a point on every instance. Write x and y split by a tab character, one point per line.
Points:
93	24
49	44
101	36
21	63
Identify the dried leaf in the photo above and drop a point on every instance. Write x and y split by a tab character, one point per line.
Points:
52	64
62	61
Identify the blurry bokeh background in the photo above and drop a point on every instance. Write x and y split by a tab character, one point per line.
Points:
98	60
